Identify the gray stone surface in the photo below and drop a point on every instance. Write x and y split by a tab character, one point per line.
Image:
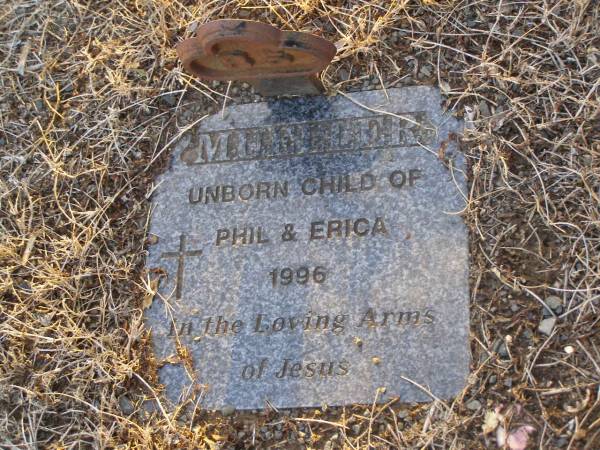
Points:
547	325
553	302
371	204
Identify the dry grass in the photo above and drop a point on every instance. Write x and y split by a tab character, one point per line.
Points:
88	95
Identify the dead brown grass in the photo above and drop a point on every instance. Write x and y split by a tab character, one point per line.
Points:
89	93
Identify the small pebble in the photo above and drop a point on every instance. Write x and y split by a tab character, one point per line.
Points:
473	405
193	26
508	382
425	71
547	325
503	350
553	302
126	405
402	414
493	379
169	99
500	348
227	410
484	109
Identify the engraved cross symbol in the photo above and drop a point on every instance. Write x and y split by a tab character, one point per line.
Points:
180	255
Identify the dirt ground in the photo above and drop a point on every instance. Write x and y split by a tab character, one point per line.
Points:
89	95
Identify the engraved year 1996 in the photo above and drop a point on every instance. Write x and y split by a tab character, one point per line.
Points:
301	275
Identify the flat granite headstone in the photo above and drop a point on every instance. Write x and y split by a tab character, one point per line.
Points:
312	252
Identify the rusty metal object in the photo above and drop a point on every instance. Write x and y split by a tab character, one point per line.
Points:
274	61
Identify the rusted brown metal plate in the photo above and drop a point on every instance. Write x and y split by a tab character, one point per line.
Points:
247	50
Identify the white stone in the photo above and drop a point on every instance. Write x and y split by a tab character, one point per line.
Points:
553	302
547	325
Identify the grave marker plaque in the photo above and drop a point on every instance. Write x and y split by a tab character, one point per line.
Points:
312	253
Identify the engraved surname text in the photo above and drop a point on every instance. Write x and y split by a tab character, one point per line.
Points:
288	140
